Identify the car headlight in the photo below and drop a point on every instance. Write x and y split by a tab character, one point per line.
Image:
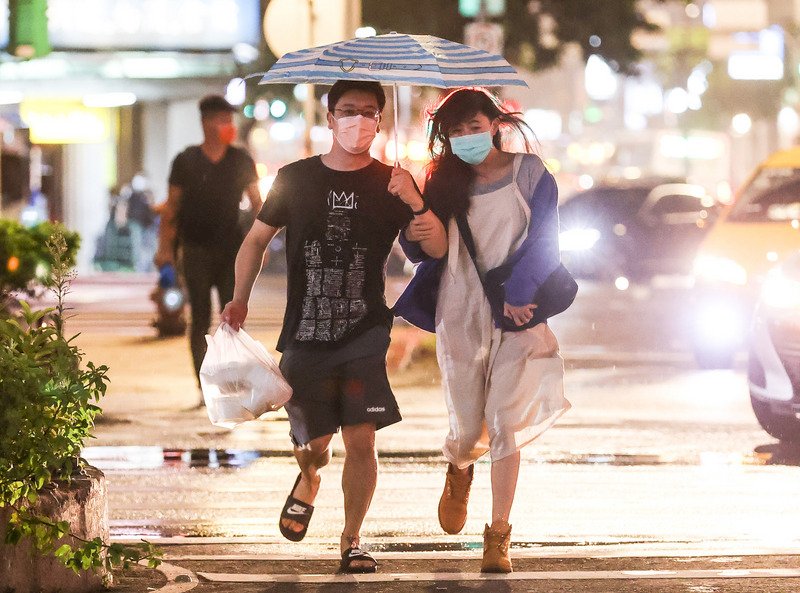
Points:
719	324
780	291
578	239
715	268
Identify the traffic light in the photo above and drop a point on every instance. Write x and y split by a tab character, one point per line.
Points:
28	28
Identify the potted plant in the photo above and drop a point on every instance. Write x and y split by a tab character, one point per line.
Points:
53	506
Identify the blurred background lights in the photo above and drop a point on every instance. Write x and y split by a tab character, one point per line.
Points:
282	131
236	91
741	123
677	100
300	92
545	123
586	181
259	137
320	134
244	53
11	97
277	108
363	32
120	99
601	81
261	110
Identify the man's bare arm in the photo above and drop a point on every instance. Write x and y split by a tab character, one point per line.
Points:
254	195
250	260
168	227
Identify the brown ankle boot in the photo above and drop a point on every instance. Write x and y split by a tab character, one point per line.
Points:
496	542
453	503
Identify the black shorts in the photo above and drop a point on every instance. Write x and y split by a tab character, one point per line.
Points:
329	393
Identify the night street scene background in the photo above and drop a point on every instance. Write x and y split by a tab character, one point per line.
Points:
671	128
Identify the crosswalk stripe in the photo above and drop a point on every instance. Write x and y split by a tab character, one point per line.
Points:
582	575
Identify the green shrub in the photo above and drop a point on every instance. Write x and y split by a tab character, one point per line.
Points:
25	260
48	403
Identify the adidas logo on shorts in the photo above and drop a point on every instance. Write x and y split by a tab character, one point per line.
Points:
376	409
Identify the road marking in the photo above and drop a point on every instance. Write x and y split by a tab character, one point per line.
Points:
578	575
319	548
180	579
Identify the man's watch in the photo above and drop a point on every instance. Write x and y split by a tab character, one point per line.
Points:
424	209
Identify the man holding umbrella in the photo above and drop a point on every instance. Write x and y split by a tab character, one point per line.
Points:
342	212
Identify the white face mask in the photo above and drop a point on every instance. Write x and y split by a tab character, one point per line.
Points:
356	133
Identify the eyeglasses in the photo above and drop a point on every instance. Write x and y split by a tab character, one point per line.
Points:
368	113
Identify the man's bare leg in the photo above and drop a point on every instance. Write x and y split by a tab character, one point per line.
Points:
359	478
310	457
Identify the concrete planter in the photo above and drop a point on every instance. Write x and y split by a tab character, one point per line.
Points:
84	503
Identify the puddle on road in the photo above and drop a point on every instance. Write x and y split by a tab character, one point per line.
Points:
131	458
478	545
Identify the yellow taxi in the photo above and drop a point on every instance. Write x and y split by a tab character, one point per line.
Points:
760	228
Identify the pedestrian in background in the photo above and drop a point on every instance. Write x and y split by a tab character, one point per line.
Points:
502	388
200	218
342	212
141	218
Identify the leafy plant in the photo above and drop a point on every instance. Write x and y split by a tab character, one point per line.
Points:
25	260
49	403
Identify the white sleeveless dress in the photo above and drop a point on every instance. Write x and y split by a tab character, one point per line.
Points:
502	389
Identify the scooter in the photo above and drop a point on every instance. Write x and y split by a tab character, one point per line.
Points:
170	303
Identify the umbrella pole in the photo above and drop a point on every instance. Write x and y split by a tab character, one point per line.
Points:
396	142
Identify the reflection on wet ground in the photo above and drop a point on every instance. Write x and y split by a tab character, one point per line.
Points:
143	458
466	546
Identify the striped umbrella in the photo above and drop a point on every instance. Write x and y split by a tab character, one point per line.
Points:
395	59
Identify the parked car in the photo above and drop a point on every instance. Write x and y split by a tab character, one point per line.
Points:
760	228
634	231
774	366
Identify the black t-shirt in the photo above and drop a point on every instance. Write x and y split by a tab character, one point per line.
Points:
340	227
209	207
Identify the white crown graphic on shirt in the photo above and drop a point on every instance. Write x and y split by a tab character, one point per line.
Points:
342	201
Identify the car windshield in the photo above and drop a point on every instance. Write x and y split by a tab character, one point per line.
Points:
602	207
772	196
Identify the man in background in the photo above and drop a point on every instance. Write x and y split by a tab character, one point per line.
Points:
200	218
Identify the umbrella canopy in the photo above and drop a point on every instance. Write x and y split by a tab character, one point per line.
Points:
395	59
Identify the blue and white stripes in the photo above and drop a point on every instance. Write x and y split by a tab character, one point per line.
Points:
395	59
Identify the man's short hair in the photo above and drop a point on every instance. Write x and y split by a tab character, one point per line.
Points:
342	86
213	104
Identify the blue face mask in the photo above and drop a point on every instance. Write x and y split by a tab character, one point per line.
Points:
473	148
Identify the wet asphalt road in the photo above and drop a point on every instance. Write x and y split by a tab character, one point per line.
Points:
655	455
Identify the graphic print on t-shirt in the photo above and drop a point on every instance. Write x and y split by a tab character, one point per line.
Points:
335	275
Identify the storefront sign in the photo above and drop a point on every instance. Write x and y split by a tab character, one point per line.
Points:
62	122
199	25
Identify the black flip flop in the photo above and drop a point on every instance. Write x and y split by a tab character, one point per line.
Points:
356	554
298	511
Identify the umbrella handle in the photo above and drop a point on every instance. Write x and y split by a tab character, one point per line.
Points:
396	142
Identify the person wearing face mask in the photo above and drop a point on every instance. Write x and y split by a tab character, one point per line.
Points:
503	388
200	219
342	212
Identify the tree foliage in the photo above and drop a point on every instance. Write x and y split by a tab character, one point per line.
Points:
536	31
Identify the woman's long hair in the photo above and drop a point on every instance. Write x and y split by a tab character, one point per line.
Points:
449	179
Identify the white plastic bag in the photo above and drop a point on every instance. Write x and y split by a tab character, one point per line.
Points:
239	378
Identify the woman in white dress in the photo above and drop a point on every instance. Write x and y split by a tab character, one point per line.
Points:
502	388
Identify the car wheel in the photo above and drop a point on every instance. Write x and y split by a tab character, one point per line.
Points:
783	428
